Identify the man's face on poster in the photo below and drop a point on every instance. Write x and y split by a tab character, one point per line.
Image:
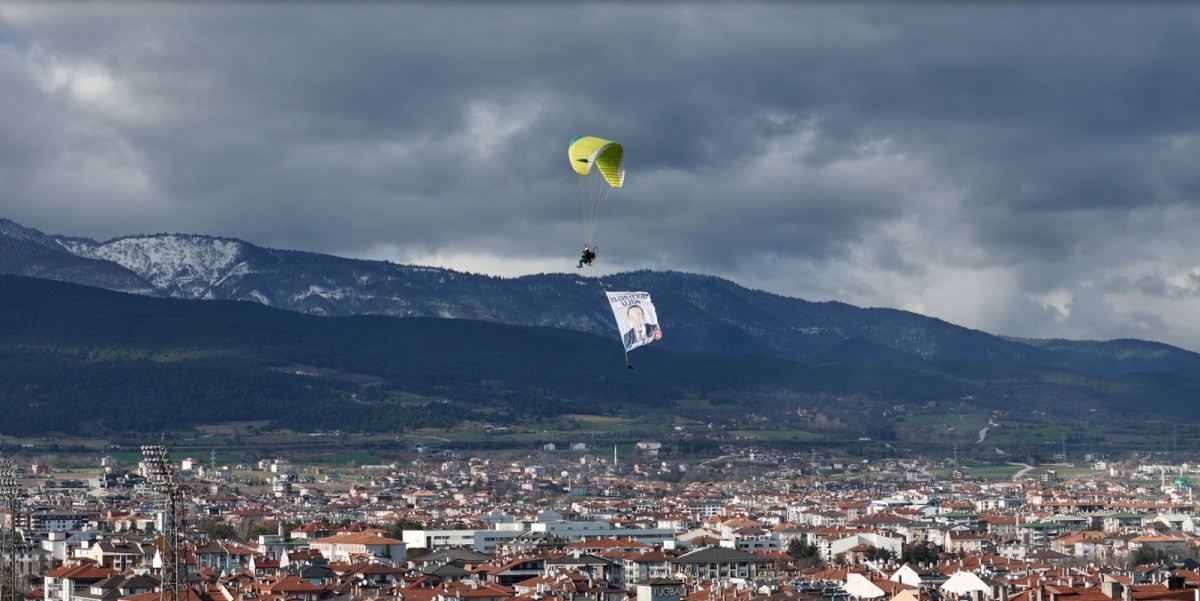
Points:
637	317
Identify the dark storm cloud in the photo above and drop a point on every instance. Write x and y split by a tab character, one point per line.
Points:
997	165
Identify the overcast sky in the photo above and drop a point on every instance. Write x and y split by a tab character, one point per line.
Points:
1023	169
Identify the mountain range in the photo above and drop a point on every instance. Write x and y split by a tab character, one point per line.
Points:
700	314
145	333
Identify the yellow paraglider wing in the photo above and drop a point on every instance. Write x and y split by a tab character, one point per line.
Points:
606	155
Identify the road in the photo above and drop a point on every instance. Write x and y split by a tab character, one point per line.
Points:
715	459
1025	467
983	432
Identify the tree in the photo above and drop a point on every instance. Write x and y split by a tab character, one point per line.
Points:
803	554
396	529
218	530
1147	555
921	552
250	528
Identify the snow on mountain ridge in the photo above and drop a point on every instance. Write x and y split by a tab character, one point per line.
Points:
207	267
191	264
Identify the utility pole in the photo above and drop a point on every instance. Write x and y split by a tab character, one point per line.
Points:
163	478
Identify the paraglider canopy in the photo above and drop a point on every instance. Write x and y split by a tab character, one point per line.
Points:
584	153
606	155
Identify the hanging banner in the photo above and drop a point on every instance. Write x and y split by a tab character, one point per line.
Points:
636	319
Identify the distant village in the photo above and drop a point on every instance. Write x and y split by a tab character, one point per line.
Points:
445	527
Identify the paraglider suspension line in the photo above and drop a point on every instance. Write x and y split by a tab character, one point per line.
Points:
595	193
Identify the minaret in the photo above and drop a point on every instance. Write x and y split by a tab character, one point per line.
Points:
614	457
